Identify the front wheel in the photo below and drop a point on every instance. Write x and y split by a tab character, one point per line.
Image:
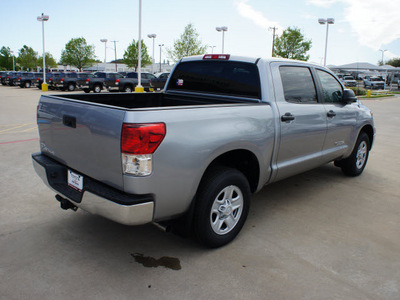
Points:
354	165
223	202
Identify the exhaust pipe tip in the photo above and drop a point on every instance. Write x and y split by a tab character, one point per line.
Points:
66	204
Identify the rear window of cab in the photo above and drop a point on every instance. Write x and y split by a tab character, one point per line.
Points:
217	77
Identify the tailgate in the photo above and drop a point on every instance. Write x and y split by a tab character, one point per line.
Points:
83	136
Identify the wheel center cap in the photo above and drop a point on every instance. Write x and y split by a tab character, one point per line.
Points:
225	209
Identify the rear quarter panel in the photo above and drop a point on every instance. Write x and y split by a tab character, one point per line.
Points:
195	137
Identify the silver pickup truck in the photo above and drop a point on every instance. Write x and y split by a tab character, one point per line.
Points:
190	157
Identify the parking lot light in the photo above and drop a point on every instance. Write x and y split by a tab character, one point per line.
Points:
328	21
43	18
161	45
152	36
12	53
223	29
105	49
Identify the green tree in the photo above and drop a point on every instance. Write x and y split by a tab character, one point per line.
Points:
6	61
395	62
292	44
27	58
50	61
188	44
78	53
131	55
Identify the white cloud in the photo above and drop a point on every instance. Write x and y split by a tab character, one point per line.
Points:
247	11
321	3
375	22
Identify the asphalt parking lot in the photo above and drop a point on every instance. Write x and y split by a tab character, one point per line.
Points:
318	235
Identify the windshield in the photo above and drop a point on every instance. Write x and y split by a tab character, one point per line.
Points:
348	78
376	79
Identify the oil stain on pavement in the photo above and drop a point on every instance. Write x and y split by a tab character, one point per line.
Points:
150	262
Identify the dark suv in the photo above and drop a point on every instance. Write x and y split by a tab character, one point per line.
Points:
99	81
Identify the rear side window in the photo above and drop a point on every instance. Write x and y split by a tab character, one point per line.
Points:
131	75
219	77
298	85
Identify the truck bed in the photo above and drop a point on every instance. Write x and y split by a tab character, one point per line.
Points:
154	100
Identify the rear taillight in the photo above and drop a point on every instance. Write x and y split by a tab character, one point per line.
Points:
62	80
138	143
19	78
88	80
217	56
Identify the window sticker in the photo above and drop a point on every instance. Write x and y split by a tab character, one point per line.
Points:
179	82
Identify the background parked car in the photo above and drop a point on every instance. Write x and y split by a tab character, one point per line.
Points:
374	82
98	82
349	81
27	79
159	82
129	83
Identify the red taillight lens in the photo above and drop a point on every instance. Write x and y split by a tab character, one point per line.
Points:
19	78
117	80
142	139
62	80
88	80
216	56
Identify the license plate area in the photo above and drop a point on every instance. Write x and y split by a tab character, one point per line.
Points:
75	181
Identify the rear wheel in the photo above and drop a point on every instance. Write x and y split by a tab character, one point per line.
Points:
354	165
27	84
71	87
223	202
97	88
128	89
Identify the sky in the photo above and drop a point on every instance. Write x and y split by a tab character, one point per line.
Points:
361	29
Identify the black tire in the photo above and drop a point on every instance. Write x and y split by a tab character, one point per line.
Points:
354	165
97	88
71	87
223	202
27	84
86	90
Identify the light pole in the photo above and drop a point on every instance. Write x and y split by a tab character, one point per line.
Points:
115	52
12	53
43	18
327	22
139	88
273	38
212	48
383	51
161	45
105	49
152	36
223	29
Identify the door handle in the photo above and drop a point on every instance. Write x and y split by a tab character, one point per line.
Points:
331	114
287	117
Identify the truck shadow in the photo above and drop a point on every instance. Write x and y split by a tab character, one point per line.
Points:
150	247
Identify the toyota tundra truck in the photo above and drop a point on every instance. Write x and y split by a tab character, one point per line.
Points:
190	157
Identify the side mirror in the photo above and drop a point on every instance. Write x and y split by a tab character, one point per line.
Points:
349	96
